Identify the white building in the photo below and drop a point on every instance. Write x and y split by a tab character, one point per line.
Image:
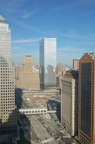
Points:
47	62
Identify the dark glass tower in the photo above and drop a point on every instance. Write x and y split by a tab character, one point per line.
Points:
86	99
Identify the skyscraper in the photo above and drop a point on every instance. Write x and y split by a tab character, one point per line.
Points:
86	99
47	63
59	75
69	102
75	63
29	76
8	117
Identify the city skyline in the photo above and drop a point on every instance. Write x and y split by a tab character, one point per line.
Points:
70	22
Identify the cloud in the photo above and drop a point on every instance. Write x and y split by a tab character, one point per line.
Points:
27	13
87	43
68	35
71	49
27	26
11	6
75	35
26	40
16	47
67	6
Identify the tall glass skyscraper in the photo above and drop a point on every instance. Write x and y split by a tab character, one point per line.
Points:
47	63
86	99
8	116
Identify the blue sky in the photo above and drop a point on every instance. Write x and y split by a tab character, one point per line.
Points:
71	22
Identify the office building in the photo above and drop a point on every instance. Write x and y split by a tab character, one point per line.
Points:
28	76
59	69
75	64
59	74
86	99
69	102
8	117
47	63
18	69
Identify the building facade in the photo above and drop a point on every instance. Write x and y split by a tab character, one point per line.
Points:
28	76
86	99
18	69
8	115
59	69
47	63
59	75
69	102
75	64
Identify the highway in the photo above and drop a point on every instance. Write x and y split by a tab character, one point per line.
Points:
51	127
40	130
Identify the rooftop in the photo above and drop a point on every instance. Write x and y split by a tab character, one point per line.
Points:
87	57
2	19
93	54
71	74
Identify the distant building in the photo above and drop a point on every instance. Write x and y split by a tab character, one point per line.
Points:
59	69
29	76
18	69
50	75
75	64
8	114
86	99
69	102
58	81
47	63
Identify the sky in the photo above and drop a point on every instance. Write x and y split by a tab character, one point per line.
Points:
71	22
